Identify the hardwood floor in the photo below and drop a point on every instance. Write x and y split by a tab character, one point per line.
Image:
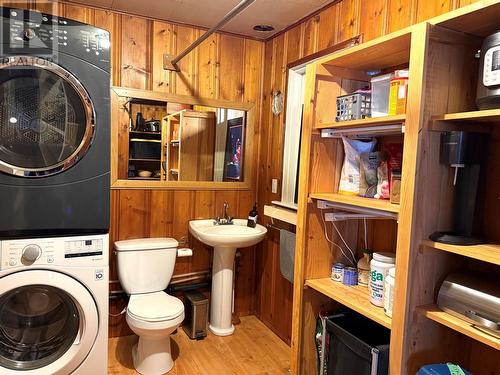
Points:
253	349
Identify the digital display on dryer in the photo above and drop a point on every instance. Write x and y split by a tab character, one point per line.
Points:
83	248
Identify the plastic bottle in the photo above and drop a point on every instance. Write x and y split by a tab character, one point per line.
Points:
389	292
364	268
379	268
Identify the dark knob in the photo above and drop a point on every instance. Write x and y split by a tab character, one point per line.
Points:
28	34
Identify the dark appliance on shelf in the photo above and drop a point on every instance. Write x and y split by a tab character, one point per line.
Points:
54	125
145	148
488	82
357	345
466	152
152	126
473	297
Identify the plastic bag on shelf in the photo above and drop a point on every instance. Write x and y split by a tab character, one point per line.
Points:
349	180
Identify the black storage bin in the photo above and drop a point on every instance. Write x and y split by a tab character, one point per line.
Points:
358	346
145	148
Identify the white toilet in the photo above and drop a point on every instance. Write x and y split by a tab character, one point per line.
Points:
145	267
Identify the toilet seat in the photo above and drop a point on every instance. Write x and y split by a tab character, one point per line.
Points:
155	307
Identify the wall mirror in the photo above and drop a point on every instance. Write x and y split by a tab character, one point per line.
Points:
171	141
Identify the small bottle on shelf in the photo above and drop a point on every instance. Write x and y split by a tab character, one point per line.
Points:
364	268
252	217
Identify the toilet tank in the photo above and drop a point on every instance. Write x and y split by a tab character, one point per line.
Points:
145	265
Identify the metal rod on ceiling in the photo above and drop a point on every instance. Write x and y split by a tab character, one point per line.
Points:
170	62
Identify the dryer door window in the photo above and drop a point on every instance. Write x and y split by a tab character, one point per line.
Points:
38	324
44	328
46	118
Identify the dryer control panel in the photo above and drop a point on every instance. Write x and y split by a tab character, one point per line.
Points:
58	251
41	34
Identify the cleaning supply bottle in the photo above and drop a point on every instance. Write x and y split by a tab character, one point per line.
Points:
364	268
252	217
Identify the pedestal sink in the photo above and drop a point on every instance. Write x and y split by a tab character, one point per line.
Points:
225	239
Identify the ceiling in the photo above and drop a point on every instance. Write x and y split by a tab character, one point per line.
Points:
206	13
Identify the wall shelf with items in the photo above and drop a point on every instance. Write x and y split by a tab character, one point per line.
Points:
437	95
370	121
354	297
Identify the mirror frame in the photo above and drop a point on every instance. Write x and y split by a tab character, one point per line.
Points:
119	98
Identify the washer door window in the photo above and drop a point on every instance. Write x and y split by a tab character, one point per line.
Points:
43	327
46	117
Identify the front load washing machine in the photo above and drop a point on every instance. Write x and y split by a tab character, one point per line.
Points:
54	306
54	126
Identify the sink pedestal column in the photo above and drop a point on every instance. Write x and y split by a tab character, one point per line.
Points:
222	292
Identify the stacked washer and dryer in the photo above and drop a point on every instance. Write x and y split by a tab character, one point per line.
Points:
54	195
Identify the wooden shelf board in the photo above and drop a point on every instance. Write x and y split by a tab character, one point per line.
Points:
282	214
433	312
379	53
149	160
354	297
141	132
372	121
353	200
485	116
486	252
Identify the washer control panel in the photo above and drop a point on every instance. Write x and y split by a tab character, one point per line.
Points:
64	251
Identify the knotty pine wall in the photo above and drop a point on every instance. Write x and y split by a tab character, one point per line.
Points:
223	67
339	22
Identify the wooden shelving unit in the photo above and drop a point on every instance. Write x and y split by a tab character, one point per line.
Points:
487	252
386	120
491	116
441	87
354	297
353	200
434	313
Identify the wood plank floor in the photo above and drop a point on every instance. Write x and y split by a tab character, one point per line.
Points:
253	349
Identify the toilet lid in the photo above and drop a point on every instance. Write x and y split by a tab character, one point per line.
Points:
155	306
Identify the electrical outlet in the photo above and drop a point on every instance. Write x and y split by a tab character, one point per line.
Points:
274	186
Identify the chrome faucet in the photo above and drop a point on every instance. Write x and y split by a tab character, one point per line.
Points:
226	219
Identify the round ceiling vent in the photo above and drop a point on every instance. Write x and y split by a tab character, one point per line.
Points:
263	28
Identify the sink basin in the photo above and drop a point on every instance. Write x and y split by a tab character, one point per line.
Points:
225	239
236	235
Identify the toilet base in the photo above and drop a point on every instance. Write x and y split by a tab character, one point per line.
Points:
152	356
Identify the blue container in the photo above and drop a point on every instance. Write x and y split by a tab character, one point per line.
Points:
350	276
442	369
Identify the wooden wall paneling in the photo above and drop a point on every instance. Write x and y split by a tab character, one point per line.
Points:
78	13
232	57
120	139
265	144
208	66
348	19
327	27
429	9
310	35
293	44
185	80
277	123
373	19
135	52
401	13
163	41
